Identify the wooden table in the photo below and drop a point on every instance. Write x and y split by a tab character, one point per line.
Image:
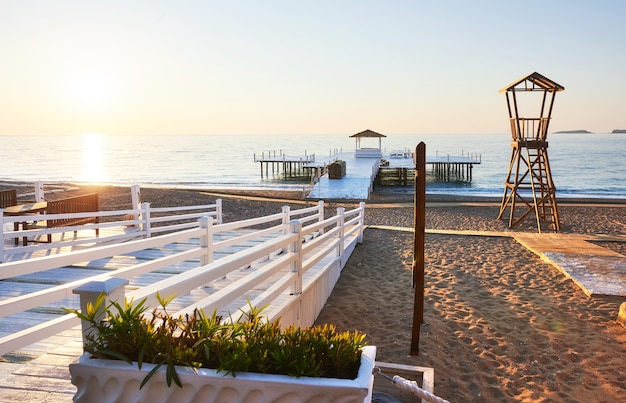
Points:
27	209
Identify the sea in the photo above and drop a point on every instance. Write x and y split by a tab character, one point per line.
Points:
584	165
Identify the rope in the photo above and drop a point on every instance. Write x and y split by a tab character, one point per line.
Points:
411	386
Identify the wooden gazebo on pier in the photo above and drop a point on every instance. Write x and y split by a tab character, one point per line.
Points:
368	152
529	187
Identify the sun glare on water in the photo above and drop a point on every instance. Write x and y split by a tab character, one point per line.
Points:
93	159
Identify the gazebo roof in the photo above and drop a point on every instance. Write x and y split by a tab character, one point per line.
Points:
537	83
368	133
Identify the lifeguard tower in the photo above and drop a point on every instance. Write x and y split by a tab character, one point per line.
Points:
529	187
368	152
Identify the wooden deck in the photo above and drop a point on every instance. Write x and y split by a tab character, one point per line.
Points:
596	270
355	185
40	372
361	170
361	173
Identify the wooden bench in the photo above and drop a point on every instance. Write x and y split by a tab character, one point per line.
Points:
8	198
78	204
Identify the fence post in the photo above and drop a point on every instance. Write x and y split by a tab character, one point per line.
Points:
285	222
361	221
296	247
39	193
206	240
321	213
145	219
113	290
135	195
218	210
340	245
419	220
1	235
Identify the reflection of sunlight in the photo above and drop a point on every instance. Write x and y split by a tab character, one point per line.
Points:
93	159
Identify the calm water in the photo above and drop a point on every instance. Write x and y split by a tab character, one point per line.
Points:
583	164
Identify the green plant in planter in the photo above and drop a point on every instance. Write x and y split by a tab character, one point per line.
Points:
249	344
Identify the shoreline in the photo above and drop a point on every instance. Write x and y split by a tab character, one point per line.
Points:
380	195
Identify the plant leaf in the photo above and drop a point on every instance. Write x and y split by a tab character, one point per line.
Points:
152	372
115	355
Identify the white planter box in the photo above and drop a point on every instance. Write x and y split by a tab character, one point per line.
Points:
116	381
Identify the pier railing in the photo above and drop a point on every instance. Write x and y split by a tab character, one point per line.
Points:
284	165
144	221
465	157
279	156
291	267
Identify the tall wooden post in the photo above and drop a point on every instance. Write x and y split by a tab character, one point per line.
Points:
419	227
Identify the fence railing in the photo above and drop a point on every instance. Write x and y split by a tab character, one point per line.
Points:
135	223
529	129
301	264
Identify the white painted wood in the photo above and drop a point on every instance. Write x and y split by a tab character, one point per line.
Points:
39	193
142	225
263	266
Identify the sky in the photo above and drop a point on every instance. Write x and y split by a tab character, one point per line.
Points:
296	67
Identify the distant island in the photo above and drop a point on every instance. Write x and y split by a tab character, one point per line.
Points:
619	131
575	131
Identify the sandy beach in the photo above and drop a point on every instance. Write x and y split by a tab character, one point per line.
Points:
500	324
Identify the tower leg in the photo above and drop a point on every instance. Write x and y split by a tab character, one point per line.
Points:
529	184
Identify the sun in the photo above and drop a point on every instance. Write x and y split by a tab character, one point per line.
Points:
91	89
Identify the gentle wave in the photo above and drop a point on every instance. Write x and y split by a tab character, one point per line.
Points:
583	165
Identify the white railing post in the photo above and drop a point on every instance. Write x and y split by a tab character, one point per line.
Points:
1	235
39	193
145	219
340	220
135	196
321	214
361	221
296	247
218	210
206	240
285	222
113	290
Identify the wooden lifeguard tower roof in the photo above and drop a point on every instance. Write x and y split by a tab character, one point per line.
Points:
533	82
368	133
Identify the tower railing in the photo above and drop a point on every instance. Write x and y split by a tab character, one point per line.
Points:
529	129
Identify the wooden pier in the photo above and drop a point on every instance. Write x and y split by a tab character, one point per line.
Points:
356	184
453	168
284	165
363	167
361	173
441	168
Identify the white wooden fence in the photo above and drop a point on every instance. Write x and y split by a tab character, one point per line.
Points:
290	267
129	224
